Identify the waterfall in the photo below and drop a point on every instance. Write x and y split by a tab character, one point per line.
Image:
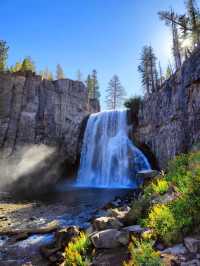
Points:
109	158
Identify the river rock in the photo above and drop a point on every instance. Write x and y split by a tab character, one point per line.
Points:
118	213
176	250
110	238
192	244
103	223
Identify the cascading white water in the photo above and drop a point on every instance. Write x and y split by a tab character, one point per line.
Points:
109	158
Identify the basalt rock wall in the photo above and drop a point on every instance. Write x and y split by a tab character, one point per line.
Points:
169	120
35	113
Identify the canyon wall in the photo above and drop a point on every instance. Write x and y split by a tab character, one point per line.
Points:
36	113
169	120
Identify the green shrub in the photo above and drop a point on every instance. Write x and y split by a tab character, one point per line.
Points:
159	186
180	209
178	172
76	251
162	221
133	104
143	254
171	222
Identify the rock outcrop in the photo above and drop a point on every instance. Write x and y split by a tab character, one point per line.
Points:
169	120
34	112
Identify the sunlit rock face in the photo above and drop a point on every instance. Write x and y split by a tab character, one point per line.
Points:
169	120
35	111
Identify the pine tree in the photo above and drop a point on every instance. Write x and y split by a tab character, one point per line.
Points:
148	70
193	20
170	19
95	94
46	74
28	65
16	67
89	86
115	93
3	54
59	72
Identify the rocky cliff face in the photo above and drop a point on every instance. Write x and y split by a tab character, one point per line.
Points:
169	120
35	111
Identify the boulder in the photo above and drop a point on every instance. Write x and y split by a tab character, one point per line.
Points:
166	198
192	244
147	174
135	229
176	250
110	238
123	238
119	213
109	257
103	223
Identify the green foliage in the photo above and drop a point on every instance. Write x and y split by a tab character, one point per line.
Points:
162	220
143	254
28	65
172	221
76	251
133	103
3	54
178	172
159	186
138	210
93	86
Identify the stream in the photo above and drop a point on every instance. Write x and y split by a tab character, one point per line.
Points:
66	205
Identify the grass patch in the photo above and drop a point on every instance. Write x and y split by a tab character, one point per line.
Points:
76	253
143	254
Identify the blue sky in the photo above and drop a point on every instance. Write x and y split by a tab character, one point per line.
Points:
84	34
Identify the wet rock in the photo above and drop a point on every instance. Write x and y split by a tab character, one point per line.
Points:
192	244
53	252
176	250
103	223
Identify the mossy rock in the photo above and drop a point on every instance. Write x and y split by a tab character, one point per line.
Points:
137	211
